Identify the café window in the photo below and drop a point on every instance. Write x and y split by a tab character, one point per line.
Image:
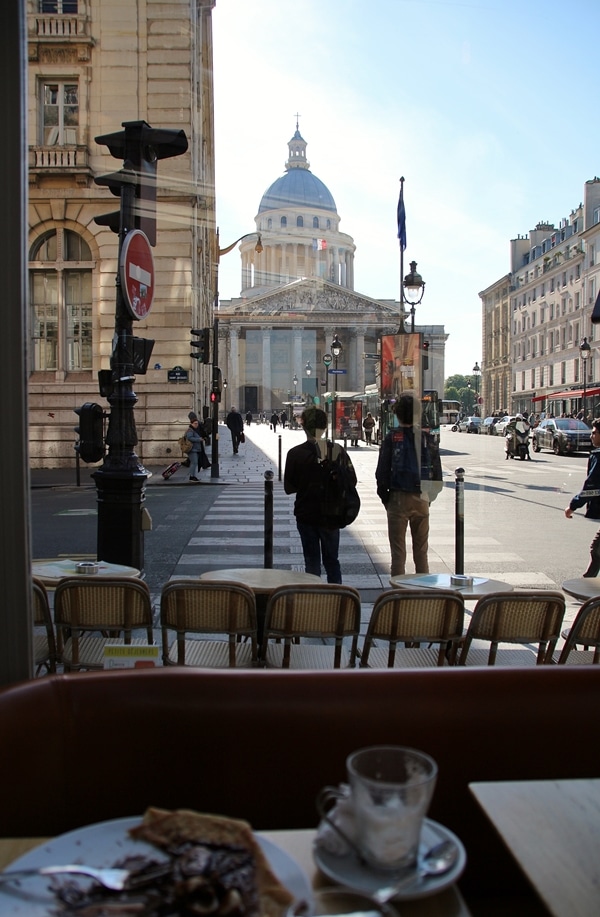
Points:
59	113
60	296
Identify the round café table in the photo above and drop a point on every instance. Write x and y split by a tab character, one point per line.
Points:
480	586
582	587
262	582
52	570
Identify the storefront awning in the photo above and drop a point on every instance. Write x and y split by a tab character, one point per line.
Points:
573	393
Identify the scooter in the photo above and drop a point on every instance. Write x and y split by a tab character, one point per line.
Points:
517	445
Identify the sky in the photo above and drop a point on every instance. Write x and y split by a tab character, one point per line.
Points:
487	108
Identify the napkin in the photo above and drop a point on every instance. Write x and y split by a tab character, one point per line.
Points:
342	814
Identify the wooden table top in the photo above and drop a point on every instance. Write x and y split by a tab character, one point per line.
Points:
261	580
298	844
583	587
481	585
551	828
52	570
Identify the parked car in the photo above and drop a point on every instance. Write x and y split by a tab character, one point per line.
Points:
469	425
562	435
503	423
489	425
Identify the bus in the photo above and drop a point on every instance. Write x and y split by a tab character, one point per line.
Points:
449	411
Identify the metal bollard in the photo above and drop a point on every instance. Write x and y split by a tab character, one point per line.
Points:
459	545
279	456
268	563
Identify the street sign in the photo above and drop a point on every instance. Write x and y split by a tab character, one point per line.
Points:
371	356
177	374
137	274
337	372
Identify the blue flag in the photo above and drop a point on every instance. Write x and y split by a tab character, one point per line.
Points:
401	219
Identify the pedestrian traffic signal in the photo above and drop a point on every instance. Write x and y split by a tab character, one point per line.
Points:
203	345
217	385
91	432
214	398
425	354
140	147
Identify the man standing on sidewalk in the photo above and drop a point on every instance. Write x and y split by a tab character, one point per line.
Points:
235	423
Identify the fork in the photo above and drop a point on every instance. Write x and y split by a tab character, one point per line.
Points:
113	879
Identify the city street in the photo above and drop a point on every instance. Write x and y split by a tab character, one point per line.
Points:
514	524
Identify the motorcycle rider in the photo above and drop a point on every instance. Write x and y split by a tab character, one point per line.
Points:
518	425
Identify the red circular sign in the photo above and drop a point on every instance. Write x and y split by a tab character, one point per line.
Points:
137	273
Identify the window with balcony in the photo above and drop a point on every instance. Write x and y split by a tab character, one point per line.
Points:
58	6
60	295
59	113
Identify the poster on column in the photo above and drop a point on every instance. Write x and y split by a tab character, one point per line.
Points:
400	366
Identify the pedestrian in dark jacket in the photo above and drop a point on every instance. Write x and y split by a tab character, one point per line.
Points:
407	480
318	543
589	497
196	436
235	423
274	421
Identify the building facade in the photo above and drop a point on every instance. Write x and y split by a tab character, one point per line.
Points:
297	293
550	291
94	64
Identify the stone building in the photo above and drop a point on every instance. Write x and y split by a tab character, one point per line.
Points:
297	293
94	64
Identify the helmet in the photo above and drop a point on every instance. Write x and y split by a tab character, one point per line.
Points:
519	417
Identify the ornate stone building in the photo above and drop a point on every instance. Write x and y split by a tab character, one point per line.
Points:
94	64
296	295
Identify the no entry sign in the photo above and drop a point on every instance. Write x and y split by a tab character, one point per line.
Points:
137	274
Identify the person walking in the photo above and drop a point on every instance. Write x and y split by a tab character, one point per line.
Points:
589	497
248	417
368	425
235	423
196	436
274	421
300	477
406	484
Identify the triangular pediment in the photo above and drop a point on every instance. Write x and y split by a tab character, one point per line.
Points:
311	296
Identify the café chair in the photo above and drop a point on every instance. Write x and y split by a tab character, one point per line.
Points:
584	632
402	616
325	612
209	609
514	618
90	610
44	644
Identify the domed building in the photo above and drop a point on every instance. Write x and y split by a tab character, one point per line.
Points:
297	294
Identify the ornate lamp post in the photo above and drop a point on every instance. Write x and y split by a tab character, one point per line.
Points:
336	350
477	372
295	382
225	395
307	372
584	352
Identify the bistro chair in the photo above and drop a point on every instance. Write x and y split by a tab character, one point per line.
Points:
44	644
211	610
514	618
90	610
319	613
413	617
585	632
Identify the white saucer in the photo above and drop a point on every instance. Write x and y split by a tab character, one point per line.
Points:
349	871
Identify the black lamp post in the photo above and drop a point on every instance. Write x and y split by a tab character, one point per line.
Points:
476	372
225	395
295	382
336	350
215	391
584	352
307	372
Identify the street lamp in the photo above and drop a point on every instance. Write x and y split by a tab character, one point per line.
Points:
295	382
214	471
225	394
336	350
411	293
476	372
307	372
584	352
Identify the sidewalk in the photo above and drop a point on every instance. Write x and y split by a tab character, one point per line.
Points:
258	454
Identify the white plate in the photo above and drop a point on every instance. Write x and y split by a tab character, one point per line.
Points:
349	871
102	845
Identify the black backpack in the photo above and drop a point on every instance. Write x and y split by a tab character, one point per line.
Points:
340	503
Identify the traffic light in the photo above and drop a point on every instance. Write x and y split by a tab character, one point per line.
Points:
425	354
91	432
215	394
203	345
140	147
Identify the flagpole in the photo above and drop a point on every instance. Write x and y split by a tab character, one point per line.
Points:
402	243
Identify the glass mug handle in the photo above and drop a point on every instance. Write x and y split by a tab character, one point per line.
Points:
326	796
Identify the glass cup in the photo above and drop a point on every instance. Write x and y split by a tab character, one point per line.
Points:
391	791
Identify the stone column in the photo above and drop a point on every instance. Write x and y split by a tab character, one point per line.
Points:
297	366
234	366
359	363
267	389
